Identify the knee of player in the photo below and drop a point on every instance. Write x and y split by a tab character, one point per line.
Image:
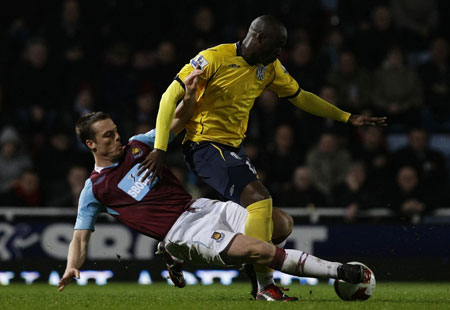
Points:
254	192
283	224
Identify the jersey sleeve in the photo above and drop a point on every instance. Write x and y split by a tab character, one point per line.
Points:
284	85
209	61
88	208
149	137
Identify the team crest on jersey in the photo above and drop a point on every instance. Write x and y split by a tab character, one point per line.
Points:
199	61
136	151
260	72
217	236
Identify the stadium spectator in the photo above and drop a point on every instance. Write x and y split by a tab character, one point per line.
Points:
67	193
328	162
302	193
118	83
429	163
31	87
284	157
416	20
397	91
373	43
371	149
308	128
13	158
407	198
26	192
330	48
54	161
354	16
435	75
166	65
353	193
353	83
203	34
303	68
266	115
84	102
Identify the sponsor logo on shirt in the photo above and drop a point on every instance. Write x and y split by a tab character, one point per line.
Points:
199	61
217	236
132	185
234	66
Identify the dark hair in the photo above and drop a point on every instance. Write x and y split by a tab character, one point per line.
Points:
83	127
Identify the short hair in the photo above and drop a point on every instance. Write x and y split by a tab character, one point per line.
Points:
83	127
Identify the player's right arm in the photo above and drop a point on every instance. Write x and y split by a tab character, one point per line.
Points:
75	257
88	209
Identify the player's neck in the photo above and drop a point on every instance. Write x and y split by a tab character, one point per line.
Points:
102	162
246	51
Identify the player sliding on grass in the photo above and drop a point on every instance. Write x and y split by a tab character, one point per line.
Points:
201	231
234	75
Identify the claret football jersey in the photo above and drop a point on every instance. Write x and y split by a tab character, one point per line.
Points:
227	91
151	209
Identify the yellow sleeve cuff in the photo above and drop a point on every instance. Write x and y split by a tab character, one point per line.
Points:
169	99
313	104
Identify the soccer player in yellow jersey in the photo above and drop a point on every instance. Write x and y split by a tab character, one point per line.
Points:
234	75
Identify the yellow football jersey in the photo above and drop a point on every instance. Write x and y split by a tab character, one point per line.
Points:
227	91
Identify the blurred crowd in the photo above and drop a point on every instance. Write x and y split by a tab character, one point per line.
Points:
62	59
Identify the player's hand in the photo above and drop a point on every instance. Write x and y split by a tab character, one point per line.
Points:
69	274
364	120
191	82
153	163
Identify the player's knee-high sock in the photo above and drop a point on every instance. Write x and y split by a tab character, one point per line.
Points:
259	225
266	278
300	263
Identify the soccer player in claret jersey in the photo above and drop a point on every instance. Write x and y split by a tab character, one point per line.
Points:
201	231
234	75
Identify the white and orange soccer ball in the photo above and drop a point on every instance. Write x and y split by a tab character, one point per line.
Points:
360	291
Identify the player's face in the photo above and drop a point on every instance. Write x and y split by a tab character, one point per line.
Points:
107	140
270	48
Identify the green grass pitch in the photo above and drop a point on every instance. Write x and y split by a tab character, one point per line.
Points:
161	296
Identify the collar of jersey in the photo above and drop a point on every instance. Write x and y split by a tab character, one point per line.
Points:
98	169
239	52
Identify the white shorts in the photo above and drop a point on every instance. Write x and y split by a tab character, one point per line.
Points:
203	232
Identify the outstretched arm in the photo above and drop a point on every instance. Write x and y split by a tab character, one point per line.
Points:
313	104
75	257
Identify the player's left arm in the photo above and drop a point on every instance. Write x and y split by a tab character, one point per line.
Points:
286	87
75	257
313	104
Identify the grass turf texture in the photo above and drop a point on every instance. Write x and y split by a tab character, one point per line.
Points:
164	297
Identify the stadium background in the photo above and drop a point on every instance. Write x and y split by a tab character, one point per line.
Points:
378	195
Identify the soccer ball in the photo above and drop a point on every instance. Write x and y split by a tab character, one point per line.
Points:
360	291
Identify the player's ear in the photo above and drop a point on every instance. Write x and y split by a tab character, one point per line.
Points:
91	145
259	37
